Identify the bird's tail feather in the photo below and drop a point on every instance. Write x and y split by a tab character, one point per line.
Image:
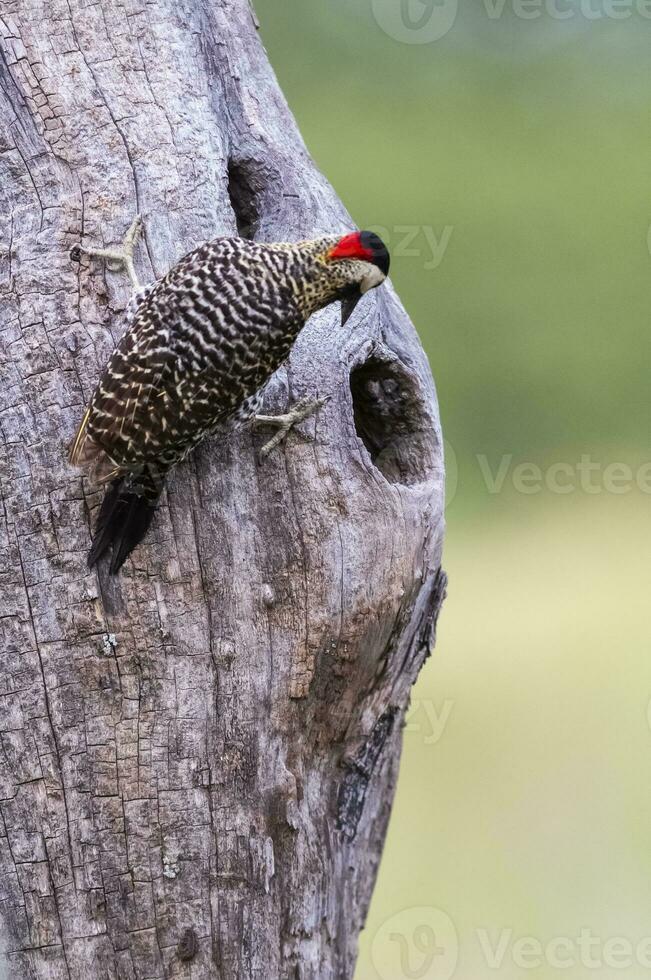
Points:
124	518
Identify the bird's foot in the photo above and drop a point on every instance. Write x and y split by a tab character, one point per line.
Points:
300	411
123	255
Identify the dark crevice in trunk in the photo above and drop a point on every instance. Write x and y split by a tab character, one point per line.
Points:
392	421
244	189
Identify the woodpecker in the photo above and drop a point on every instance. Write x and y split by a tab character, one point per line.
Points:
200	345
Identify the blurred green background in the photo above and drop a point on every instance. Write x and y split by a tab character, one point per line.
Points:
519	150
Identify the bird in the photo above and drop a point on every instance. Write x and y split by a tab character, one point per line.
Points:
200	345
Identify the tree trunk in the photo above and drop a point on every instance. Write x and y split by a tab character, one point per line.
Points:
198	756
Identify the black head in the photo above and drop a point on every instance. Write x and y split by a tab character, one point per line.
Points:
364	245
375	250
365	260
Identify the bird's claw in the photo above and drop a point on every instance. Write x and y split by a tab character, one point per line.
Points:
123	255
300	411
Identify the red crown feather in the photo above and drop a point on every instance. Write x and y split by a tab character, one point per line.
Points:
351	247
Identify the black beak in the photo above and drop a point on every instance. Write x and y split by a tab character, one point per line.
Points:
348	305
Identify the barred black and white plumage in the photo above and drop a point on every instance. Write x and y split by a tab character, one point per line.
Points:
200	345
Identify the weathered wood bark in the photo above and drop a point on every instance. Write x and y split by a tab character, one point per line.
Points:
198	757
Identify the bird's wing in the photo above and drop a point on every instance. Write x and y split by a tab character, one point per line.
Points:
160	389
84	448
132	406
196	348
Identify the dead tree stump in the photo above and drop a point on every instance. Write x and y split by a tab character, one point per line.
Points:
199	756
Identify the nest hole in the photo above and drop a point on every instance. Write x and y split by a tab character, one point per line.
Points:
392	422
244	190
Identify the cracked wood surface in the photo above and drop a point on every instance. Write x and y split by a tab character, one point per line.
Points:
198	757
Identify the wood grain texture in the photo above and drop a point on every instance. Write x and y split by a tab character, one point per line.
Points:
199	756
